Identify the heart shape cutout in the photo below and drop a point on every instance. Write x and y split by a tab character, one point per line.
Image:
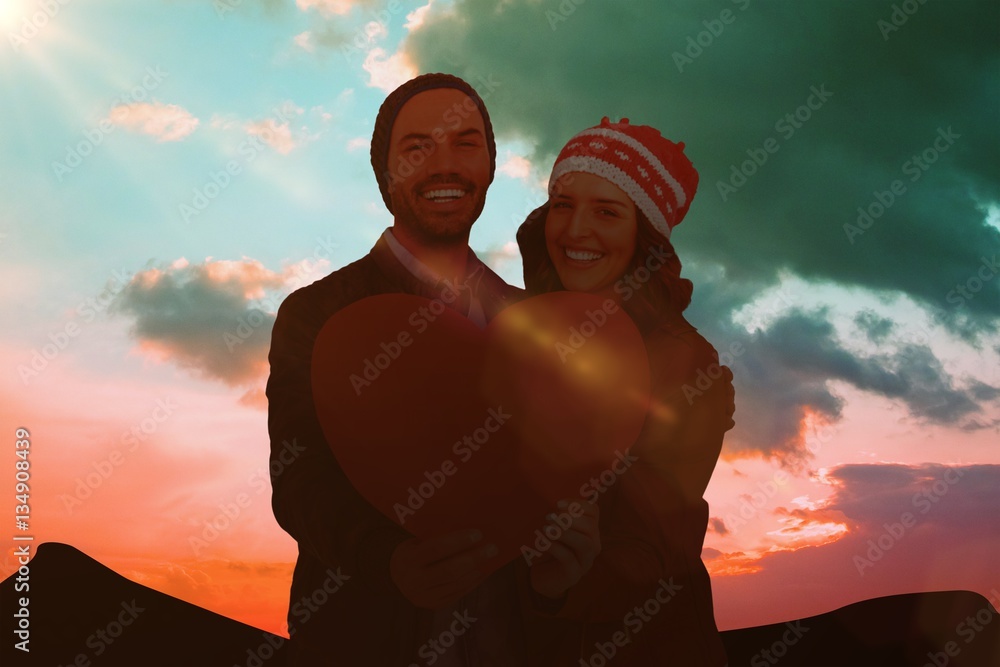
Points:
443	426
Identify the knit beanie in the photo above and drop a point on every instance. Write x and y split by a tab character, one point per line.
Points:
651	170
390	109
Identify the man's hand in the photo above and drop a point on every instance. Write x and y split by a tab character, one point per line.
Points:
572	553
727	376
435	573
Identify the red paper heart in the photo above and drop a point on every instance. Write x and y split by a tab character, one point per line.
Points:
443	426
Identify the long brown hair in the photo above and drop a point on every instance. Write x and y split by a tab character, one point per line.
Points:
664	296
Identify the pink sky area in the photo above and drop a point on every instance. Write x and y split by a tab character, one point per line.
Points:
178	204
132	471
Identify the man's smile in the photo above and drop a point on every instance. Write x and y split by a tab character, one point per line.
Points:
442	195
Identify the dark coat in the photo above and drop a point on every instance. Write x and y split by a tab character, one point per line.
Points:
647	599
344	608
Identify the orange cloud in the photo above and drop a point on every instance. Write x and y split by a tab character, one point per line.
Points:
516	167
416	18
723	564
886	529
388	71
166	122
276	135
338	7
214	318
304	41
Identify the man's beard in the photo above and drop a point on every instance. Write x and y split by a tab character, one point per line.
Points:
438	229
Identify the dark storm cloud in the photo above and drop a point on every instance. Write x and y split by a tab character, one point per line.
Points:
917	105
875	326
202	317
785	371
950	496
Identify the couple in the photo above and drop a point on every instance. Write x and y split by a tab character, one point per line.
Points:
624	584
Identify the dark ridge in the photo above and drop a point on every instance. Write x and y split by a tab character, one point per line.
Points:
73	599
915	629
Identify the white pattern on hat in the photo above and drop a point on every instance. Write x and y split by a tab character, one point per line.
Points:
592	165
644	152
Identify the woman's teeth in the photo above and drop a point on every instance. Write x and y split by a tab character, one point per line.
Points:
583	255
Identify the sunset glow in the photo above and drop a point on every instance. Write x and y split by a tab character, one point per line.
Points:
162	196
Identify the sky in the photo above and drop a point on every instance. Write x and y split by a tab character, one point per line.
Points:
170	170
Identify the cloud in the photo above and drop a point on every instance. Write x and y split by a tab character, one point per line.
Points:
386	71
304	41
558	75
497	257
908	528
166	122
949	497
276	131
416	18
516	166
326	35
877	328
334	7
791	367
358	143
276	135
717	525
213	318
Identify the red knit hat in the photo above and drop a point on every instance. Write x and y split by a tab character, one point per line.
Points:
651	170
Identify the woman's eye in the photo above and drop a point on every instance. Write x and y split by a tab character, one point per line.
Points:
560	204
608	212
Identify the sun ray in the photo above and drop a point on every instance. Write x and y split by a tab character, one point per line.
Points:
50	47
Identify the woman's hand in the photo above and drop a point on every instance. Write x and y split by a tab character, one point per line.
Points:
572	553
437	572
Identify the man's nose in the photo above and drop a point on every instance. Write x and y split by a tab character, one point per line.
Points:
442	159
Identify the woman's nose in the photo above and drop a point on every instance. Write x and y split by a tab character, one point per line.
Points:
579	224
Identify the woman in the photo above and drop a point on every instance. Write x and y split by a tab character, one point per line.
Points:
616	192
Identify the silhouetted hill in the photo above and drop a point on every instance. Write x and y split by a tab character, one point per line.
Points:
911	630
84	614
79	607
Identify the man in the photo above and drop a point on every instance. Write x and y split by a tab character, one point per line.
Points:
364	591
